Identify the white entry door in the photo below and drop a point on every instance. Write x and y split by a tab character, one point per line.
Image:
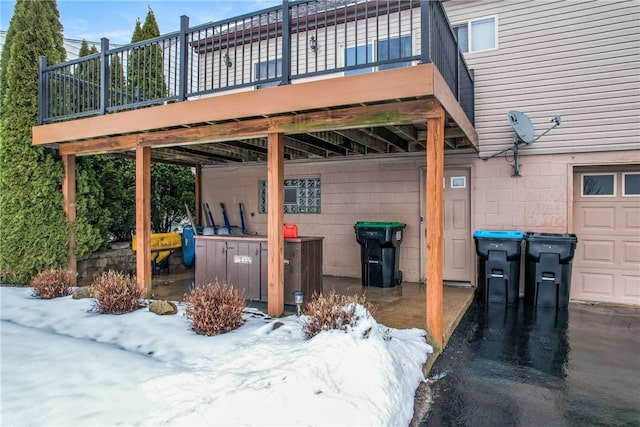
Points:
458	259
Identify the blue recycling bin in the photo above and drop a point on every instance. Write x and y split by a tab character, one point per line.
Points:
498	265
548	262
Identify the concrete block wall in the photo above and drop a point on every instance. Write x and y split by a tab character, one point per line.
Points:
389	190
371	190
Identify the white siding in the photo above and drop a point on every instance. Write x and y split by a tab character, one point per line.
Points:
576	59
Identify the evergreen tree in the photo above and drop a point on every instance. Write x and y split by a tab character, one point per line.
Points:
171	187
118	181
118	84
146	76
6	50
93	219
33	226
86	80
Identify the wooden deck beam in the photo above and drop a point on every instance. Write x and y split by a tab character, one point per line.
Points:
275	222
435	226
143	219
69	195
394	113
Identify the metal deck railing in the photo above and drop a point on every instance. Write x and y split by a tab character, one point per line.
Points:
304	39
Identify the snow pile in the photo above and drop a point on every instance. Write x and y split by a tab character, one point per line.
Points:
63	364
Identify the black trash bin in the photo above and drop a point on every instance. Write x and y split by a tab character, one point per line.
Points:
380	252
498	265
547	271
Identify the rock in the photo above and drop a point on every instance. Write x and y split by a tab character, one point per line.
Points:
82	292
276	325
163	307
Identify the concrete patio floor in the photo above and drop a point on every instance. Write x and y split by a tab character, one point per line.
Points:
399	307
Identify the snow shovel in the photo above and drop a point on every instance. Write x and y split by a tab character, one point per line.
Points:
244	230
213	223
232	230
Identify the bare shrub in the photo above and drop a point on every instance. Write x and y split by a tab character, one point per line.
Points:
214	308
334	311
116	293
52	283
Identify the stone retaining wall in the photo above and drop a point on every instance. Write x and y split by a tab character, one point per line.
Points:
120	257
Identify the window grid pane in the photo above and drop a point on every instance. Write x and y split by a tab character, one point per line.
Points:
308	195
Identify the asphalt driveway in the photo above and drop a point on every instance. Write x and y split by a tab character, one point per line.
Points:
516	366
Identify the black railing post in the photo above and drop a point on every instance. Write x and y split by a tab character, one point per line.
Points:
105	81
425	30
43	94
458	53
184	58
286	43
472	74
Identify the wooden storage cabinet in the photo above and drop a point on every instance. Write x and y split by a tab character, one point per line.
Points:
242	262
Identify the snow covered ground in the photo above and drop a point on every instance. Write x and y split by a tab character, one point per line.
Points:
63	364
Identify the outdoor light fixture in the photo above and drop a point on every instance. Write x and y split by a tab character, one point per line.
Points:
313	44
299	298
227	60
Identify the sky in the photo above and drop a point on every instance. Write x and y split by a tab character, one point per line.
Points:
93	19
64	364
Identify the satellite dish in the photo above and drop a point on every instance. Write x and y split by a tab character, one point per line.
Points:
522	126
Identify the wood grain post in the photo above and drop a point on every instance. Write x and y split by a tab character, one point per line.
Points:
143	219
198	190
435	225
69	195
275	221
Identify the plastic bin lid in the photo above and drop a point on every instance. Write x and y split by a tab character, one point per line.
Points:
499	234
373	224
551	237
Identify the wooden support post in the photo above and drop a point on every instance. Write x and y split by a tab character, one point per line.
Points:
69	195
143	219
275	221
198	208
435	226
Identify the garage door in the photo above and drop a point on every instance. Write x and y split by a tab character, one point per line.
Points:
606	266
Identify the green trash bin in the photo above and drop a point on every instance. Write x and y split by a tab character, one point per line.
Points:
380	252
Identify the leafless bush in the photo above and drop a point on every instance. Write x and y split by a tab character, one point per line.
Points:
334	311
52	283
116	293
214	308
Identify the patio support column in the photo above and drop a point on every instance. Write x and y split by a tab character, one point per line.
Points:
275	221
435	224
69	196
143	219
198	191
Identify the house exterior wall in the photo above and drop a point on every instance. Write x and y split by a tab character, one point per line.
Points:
388	189
382	189
579	60
576	59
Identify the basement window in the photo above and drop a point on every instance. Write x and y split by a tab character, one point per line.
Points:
301	195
